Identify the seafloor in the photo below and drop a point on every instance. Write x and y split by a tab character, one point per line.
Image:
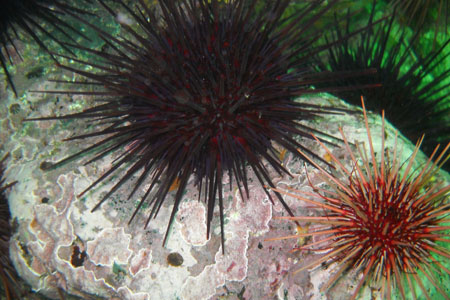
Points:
59	242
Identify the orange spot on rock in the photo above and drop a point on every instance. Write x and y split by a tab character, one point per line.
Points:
282	154
175	184
327	157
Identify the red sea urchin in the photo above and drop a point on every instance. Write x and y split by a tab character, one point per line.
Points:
389	228
200	88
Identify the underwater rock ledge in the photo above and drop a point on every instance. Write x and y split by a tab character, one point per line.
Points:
60	243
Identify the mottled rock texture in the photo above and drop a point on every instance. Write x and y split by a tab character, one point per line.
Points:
60	244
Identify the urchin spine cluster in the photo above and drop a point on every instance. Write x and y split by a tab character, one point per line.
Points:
382	220
411	103
206	90
8	274
38	20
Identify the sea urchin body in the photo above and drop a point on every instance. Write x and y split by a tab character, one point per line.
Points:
204	89
386	223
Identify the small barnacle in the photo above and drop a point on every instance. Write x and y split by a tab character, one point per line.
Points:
175	259
35	73
78	257
45	165
14	108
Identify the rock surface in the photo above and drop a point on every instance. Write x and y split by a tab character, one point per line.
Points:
61	244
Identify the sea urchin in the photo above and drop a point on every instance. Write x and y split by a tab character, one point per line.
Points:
37	19
8	275
199	88
385	226
414	105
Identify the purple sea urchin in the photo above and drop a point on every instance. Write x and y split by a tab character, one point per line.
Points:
204	89
422	14
412	104
8	276
388	224
37	19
